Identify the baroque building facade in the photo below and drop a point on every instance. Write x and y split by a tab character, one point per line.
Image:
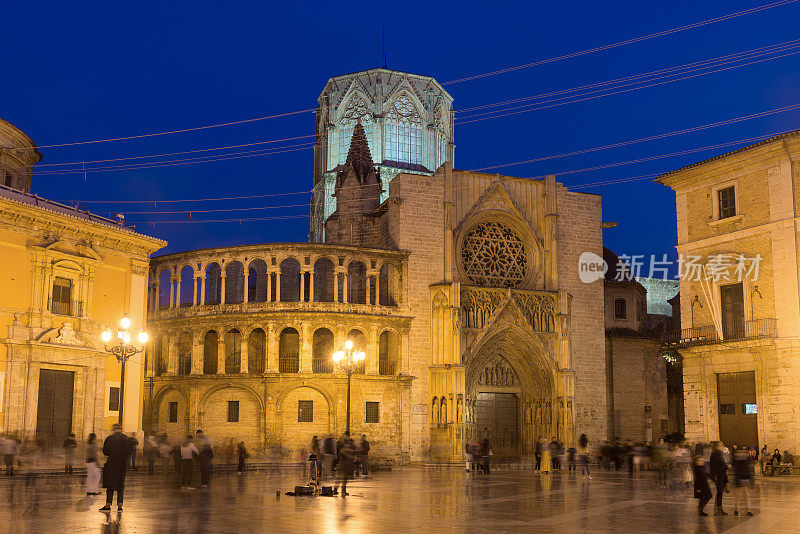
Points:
461	287
66	275
740	294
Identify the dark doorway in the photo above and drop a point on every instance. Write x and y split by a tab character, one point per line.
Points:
732	299
738	419
496	419
54	415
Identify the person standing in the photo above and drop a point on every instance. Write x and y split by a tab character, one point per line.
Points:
329	453
346	464
188	452
537	453
702	492
241	452
118	448
363	451
583	456
206	457
486	452
92	465
70	444
743	481
718	470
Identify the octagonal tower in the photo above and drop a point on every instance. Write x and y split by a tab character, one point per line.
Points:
408	121
18	155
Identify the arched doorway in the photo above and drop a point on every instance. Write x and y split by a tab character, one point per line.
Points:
512	394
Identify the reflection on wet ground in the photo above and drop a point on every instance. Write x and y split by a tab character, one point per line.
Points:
410	499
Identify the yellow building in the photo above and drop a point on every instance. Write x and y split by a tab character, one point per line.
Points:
66	275
737	220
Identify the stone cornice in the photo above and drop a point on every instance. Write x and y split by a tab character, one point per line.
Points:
42	222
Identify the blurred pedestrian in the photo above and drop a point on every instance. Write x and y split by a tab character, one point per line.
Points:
572	457
151	452
702	492
583	455
118	448
135	443
486	453
230	453
718	469
206	459
363	454
329	453
164	451
241	452
188	451
546	462
346	465
537	454
743	481
316	454
92	465
8	450
70	444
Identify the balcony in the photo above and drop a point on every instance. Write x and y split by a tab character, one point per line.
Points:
321	366
70	309
708	334
386	368
289	364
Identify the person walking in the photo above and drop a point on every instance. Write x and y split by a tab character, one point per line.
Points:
92	465
718	469
743	481
70	444
164	451
241	452
329	453
151	452
363	453
583	456
8	447
206	457
135	443
346	465
486	453
188	452
118	448
537	453
702	492
230	453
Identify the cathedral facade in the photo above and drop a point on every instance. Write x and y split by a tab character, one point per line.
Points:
462	288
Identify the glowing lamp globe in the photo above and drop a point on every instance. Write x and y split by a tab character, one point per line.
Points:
348	344
143	337
125	323
106	336
338	355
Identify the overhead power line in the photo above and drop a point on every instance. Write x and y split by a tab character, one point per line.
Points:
618	44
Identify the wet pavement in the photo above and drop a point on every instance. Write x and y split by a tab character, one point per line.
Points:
403	500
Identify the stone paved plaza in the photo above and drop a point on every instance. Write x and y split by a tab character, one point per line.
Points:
418	500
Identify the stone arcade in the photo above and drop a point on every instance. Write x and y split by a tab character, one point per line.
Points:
461	287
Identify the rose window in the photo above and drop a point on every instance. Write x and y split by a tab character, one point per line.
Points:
493	255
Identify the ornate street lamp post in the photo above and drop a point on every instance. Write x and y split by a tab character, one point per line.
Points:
123	350
349	360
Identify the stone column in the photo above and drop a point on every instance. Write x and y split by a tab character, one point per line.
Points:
305	348
171	290
222	287
194	290
336	286
178	291
378	288
344	288
272	348
311	284
278	285
202	290
245	298
244	366
371	363
302	285
221	354
197	353
269	285
157	299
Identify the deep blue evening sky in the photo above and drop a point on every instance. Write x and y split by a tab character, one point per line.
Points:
83	73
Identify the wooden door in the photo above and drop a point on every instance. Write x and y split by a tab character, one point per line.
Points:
497	419
738	419
54	412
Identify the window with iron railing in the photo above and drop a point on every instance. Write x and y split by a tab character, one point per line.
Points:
61	302
289	362
386	367
319	365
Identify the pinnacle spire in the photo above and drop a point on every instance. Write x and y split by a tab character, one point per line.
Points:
359	157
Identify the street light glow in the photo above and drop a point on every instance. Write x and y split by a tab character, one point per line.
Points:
143	337
348	344
338	355
125	323
106	336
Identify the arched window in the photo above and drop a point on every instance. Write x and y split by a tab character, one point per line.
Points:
356	283
234	283
160	356
257	281
355	110
213	283
403	132
441	125
289	351
187	286
210	350
359	343
388	281
233	352
323	280
185	354
256	351
322	356
290	280
165	289
388	352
